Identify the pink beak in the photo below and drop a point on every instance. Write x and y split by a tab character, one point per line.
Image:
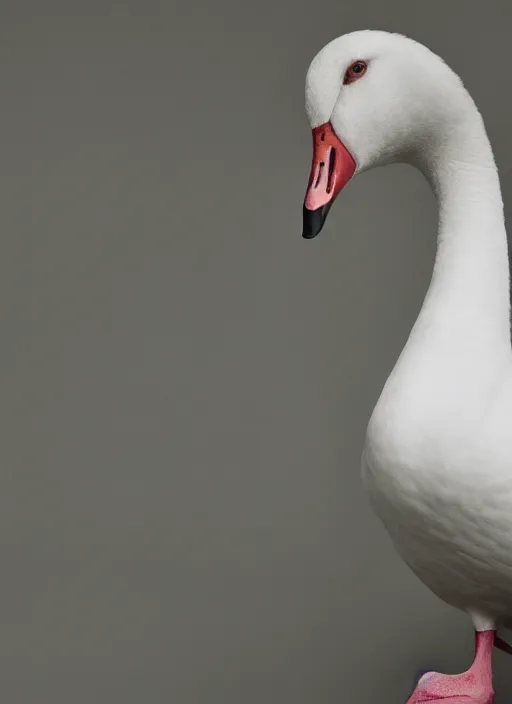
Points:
332	168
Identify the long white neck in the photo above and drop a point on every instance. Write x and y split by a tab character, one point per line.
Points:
460	345
470	283
467	308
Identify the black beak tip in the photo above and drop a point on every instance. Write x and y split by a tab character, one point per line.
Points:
313	221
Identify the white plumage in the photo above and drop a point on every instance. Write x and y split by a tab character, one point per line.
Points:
437	461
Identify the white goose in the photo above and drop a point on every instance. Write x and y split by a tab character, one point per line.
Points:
437	461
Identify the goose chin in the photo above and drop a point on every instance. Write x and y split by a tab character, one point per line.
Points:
332	168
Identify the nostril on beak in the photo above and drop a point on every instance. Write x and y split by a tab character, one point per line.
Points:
320	169
332	164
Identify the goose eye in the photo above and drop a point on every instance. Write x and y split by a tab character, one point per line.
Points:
355	71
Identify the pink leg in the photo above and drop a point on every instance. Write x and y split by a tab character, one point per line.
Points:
471	687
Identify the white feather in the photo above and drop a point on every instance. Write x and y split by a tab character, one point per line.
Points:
437	461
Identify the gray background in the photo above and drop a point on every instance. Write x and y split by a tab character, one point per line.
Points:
185	381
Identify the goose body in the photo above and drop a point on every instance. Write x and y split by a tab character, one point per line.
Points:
437	460
446	499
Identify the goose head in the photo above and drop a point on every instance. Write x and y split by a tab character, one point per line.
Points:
374	98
